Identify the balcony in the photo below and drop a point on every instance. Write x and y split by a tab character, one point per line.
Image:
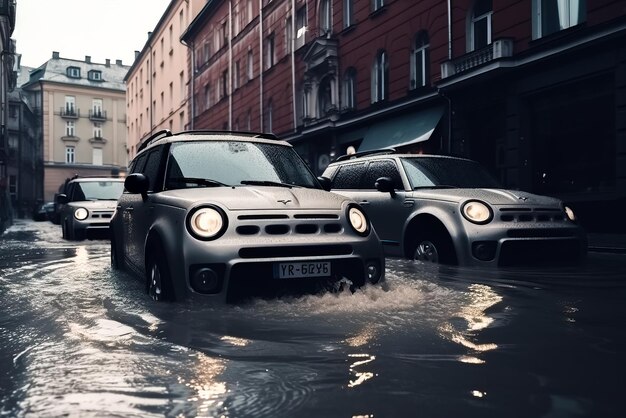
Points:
69	112
500	48
97	115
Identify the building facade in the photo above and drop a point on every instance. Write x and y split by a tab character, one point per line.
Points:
7	84
81	107
157	82
521	86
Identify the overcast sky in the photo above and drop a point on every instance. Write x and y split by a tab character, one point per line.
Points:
102	29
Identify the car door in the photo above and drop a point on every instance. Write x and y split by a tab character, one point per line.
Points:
126	207
387	211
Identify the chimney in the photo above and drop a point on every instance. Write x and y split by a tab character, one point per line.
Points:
88	59
137	54
118	62
107	62
55	55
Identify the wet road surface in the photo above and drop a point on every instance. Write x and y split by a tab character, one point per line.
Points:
78	339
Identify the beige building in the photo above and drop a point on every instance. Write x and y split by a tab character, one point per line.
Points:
81	106
157	82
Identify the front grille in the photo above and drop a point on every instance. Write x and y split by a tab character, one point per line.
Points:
526	215
102	215
296	251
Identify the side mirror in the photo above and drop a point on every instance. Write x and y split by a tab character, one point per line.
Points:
325	183
137	183
61	199
385	185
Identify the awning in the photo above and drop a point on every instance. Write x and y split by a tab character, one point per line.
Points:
402	130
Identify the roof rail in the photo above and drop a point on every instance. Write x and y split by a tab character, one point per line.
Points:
242	133
364	153
154	137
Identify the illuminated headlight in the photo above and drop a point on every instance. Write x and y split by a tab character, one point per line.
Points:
477	212
206	223
358	220
570	214
81	214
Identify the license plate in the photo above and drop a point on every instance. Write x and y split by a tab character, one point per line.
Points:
306	269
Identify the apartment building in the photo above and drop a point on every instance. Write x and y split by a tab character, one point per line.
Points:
533	89
157	82
81	106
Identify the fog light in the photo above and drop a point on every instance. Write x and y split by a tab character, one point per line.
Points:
372	269
205	280
484	250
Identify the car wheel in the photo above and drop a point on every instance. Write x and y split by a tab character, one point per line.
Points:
434	245
117	262
158	277
426	251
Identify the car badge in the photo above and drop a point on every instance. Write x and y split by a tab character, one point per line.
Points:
285	201
523	198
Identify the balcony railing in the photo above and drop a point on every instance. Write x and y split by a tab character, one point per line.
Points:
69	113
500	48
98	115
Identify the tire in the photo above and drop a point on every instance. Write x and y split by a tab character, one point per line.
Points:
158	277
434	246
117	261
64	231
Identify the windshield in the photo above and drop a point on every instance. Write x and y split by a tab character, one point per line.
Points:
230	163
447	172
98	190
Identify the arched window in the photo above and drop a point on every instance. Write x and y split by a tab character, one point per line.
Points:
326	19
420	61
480	28
380	77
349	89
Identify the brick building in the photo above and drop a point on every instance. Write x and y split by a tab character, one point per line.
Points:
533	89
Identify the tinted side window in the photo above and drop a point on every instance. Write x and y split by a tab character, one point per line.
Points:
151	170
378	169
349	176
138	164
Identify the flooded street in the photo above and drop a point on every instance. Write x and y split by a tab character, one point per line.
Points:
78	339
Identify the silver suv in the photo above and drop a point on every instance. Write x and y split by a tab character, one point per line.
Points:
220	215
450	210
86	207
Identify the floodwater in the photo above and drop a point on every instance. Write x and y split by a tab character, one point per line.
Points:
79	340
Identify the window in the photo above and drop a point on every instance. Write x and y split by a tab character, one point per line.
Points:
419	61
13	111
349	176
325	96
349	89
480	29
69	155
207	96
326	23
301	21
206	52
96	156
97	130
348	12
224	83
13	187
70	105
288	35
250	65
69	128
378	169
380	77
377	4
96	108
73	72
236	76
551	16
269	116
249	120
269	51
250	11
224	32
94	75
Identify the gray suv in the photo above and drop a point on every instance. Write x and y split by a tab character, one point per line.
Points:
450	210
227	216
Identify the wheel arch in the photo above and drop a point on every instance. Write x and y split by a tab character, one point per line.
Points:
429	223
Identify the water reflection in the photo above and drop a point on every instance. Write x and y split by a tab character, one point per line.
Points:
361	376
207	391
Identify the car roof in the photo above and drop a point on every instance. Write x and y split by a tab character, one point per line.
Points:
166	136
386	154
95	179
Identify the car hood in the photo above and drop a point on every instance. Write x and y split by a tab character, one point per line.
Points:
95	204
495	197
256	197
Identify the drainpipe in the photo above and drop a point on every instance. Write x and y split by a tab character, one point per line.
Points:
449	29
261	63
192	93
230	65
293	64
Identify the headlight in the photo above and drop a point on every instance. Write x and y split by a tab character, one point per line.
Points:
477	212
358	220
206	223
81	214
570	214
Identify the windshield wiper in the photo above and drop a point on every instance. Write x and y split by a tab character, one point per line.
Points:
267	183
436	186
199	181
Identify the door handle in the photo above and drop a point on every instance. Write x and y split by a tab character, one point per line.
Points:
364	203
